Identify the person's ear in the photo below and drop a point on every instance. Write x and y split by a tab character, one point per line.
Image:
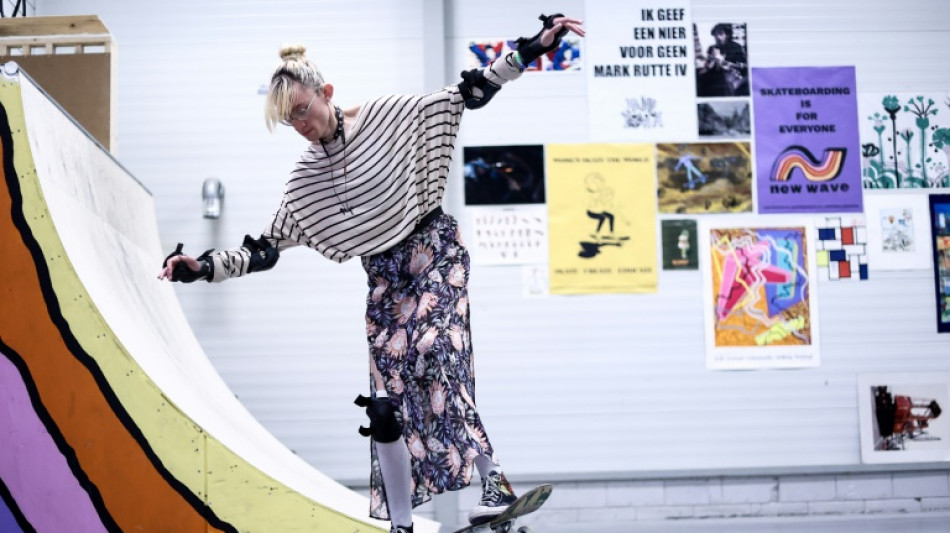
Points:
328	90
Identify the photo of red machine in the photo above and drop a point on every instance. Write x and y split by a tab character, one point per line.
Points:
901	418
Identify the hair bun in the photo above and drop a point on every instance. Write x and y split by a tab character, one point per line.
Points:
292	51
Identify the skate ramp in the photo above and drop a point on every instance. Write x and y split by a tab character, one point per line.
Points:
111	416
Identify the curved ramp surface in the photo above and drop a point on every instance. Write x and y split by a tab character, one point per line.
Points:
111	416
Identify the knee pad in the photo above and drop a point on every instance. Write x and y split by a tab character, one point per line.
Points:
383	425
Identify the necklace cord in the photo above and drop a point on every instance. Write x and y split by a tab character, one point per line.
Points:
338	134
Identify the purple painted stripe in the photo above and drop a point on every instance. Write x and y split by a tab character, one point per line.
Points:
34	471
7	521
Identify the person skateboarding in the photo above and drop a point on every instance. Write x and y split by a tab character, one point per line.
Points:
370	185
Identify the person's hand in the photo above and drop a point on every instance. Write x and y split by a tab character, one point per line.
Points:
559	24
173	261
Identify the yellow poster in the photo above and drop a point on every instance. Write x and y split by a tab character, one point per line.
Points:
602	218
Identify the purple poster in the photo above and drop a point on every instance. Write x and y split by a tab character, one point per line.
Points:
807	147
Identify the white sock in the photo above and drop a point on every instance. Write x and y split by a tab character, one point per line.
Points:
485	466
397	480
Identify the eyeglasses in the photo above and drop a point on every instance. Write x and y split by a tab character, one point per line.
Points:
299	113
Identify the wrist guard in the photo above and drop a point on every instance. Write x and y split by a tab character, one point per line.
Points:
476	89
530	48
480	85
186	275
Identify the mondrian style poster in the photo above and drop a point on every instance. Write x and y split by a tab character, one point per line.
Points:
842	248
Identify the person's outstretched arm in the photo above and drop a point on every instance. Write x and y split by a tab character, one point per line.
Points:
478	86
254	255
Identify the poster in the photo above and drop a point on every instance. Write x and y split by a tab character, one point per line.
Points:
759	296
602	218
514	235
905	140
724	119
704	177
940	229
565	58
503	175
640	70
680	245
841	248
806	140
900	417
722	59
898	230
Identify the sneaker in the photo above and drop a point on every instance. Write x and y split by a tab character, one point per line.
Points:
497	495
400	529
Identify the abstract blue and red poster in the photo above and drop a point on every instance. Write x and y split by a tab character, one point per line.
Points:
807	144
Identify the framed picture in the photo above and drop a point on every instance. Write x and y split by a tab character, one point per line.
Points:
940	230
898	232
760	303
901	417
503	175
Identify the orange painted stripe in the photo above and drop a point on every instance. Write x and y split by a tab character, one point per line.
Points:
135	491
813	170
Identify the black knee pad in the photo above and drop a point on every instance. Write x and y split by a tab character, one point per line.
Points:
383	425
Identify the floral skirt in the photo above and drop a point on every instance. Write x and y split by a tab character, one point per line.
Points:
417	326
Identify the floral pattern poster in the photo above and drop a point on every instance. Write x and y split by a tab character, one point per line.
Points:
760	302
905	140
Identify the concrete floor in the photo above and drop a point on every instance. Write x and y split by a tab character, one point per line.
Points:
890	523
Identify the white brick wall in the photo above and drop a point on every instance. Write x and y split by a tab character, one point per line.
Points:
587	503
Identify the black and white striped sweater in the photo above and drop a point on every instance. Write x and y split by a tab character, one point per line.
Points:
388	174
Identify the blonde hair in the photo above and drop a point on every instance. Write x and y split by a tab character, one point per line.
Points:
294	68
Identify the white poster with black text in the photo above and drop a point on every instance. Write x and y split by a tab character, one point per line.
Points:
640	71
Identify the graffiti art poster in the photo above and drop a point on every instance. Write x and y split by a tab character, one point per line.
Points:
900	417
640	70
905	140
704	177
898	230
680	245
806	140
602	218
841	248
759	295
940	229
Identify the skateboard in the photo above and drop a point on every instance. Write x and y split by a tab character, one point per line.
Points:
528	503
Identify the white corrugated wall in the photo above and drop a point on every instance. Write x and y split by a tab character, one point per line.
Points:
570	387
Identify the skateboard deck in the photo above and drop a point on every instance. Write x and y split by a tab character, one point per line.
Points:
528	503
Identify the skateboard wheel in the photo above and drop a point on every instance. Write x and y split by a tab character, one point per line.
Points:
525	529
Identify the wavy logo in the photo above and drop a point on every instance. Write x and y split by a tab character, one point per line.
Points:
799	157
